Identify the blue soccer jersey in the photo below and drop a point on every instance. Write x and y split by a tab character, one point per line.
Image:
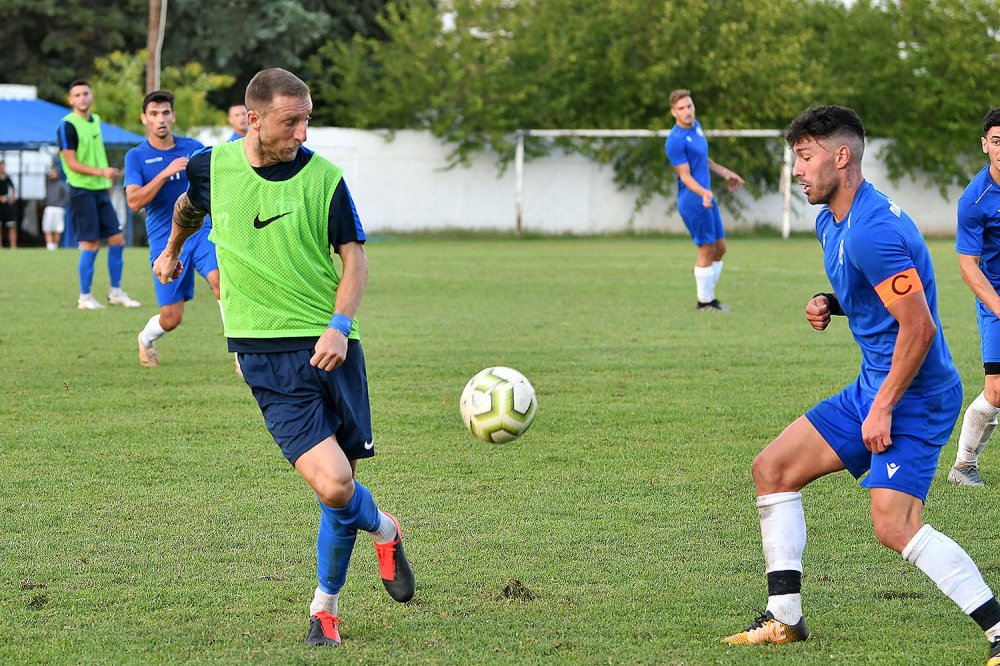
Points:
689	146
874	257
978	233
142	164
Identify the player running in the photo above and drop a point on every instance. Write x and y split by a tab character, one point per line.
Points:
892	421
154	178
278	208
978	245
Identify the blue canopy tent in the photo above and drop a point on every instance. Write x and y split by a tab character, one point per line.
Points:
31	124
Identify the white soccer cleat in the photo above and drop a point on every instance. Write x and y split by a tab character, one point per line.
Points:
88	302
147	355
123	299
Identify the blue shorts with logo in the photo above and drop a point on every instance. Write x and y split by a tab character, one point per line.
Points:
303	405
920	427
198	255
704	224
989	333
92	214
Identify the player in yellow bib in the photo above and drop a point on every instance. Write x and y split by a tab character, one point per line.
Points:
277	210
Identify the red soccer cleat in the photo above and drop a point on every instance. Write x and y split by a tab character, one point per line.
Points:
323	629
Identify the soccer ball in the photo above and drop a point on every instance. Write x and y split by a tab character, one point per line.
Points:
498	405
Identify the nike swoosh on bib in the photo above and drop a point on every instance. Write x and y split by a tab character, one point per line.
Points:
260	224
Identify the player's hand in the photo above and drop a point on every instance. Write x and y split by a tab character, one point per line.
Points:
707	198
876	428
733	181
110	172
330	351
176	166
818	313
167	267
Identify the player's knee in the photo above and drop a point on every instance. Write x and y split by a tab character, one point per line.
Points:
335	492
767	475
992	395
170	321
892	533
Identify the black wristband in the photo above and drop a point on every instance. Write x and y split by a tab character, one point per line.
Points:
832	303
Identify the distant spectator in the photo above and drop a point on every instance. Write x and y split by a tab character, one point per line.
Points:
8	211
238	121
54	215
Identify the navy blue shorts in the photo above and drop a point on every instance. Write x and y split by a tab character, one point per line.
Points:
920	427
303	405
93	216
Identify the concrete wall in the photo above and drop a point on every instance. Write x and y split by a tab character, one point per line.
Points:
400	183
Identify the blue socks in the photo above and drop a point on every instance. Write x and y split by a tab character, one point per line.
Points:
338	529
116	263
86	268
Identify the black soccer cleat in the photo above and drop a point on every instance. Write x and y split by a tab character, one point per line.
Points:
393	567
323	629
994	659
712	306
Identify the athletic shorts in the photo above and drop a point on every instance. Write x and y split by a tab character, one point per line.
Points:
8	215
920	427
94	217
303	405
54	220
704	224
989	334
198	255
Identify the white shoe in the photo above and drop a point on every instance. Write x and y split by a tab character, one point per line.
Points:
121	298
88	302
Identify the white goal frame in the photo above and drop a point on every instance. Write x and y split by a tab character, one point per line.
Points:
784	184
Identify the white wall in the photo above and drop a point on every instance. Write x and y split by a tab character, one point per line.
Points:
399	183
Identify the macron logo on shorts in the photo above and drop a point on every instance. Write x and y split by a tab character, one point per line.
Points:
891	468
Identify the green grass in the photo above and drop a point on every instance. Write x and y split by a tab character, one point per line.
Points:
147	517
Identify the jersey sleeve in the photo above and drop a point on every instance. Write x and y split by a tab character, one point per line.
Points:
66	136
133	168
674	147
883	257
199	173
344	223
969	234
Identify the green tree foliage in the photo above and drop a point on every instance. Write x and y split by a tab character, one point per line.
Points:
918	72
48	43
119	82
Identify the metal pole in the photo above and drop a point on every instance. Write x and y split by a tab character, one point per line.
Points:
519	180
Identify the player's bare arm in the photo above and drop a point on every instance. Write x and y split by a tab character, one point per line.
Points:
916	335
188	219
978	282
77	166
138	196
684	173
733	180
331	348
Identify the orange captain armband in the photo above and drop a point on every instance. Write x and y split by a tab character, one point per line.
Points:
899	286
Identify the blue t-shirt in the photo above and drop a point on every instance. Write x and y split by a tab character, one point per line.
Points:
869	256
142	164
689	146
978	232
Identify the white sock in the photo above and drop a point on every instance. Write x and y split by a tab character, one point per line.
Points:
152	332
323	601
993	633
704	280
949	566
386	531
783	535
977	425
717	270
115	291
50	246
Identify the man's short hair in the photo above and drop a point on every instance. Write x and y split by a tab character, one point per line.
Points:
158	96
270	83
77	82
678	95
824	122
991	120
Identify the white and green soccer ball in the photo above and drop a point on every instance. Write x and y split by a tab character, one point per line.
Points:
498	405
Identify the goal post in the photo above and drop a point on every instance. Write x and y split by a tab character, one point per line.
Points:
784	183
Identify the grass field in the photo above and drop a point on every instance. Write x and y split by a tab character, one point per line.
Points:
147	517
